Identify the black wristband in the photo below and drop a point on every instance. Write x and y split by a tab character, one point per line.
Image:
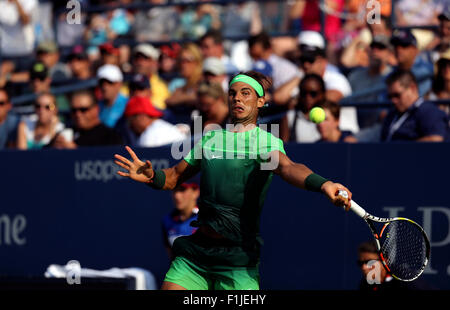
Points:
314	182
158	180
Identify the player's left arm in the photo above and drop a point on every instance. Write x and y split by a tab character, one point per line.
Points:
301	176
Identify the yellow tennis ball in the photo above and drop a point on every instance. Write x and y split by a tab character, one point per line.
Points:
317	115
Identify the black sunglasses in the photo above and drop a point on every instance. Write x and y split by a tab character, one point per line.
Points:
312	93
307	59
82	110
394	95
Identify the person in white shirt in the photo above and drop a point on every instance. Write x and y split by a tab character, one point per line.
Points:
16	27
313	60
283	70
144	120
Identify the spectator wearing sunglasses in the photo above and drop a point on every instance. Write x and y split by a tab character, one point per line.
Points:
41	81
412	118
313	59
8	122
88	128
38	130
311	93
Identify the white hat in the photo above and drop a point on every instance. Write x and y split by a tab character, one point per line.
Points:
111	73
214	65
311	38
147	50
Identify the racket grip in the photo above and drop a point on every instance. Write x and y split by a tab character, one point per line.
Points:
353	205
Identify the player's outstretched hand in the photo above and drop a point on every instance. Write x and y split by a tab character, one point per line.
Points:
136	169
331	190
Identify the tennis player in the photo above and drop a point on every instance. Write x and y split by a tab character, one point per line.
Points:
236	165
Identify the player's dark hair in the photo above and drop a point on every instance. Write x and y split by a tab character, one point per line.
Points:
260	78
368	247
263	38
405	77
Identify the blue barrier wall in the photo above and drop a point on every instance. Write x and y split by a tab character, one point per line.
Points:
57	206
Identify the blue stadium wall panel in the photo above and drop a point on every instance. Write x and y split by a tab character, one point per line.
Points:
58	206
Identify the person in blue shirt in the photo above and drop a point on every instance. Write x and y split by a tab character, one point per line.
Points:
412	119
178	222
8	122
113	103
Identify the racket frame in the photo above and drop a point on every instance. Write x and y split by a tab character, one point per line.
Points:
370	219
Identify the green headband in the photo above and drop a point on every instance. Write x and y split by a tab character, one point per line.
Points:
250	81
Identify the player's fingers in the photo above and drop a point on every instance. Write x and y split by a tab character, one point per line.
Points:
122	165
123	159
132	153
124	174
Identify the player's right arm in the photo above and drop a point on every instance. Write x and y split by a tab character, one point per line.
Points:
143	172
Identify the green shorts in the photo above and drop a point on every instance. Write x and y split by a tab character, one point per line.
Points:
198	277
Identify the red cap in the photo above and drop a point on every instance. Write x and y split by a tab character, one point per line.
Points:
108	48
141	105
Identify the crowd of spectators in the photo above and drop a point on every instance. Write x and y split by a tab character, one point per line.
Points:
155	65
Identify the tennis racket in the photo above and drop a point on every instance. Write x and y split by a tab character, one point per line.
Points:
402	244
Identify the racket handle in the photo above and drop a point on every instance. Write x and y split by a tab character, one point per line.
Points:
353	205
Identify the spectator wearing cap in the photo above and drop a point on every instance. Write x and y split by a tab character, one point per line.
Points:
39	78
79	64
308	41
146	62
214	72
313	60
139	86
113	103
41	82
178	222
48	53
412	118
109	55
211	44
409	58
283	70
168	61
379	52
212	104
17	32
88	129
144	120
9	122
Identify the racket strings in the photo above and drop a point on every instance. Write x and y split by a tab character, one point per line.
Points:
404	249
